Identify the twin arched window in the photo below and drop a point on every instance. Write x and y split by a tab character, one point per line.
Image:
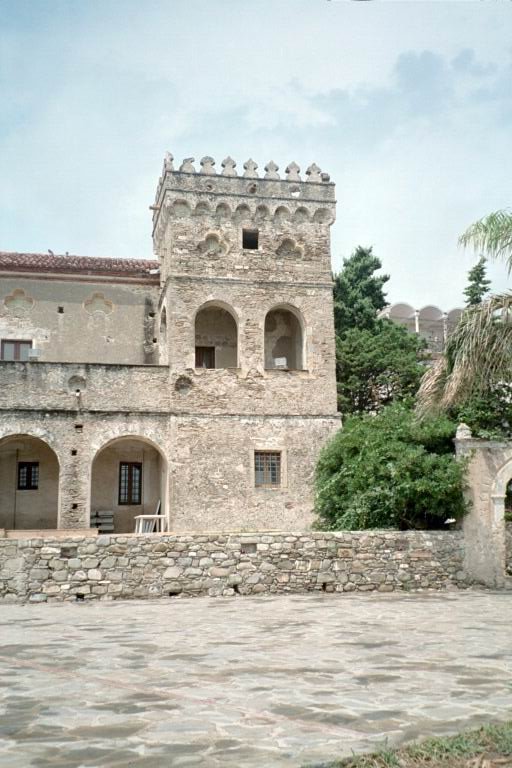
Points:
216	338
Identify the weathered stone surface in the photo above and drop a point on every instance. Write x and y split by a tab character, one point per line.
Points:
357	561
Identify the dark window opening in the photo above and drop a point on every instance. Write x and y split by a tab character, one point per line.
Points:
130	482
267	469
250	239
205	357
60	310
14	349
28	475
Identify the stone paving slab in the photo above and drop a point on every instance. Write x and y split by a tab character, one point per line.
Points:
246	682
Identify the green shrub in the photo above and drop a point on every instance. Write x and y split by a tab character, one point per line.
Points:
390	471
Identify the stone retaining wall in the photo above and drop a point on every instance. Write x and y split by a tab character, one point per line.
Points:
114	567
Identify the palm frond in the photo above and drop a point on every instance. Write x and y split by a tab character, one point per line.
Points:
478	355
430	393
491	235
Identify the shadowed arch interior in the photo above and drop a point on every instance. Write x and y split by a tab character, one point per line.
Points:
216	338
128	478
29	484
283	340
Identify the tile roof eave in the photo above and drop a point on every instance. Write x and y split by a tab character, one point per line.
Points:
79	266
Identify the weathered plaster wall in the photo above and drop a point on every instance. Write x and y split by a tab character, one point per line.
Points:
99	322
49	386
117	567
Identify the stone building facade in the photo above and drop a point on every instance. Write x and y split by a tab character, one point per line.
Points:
200	384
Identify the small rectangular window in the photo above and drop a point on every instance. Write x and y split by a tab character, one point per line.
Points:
250	239
205	357
28	475
14	349
130	482
267	469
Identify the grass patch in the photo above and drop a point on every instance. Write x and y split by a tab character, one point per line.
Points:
487	747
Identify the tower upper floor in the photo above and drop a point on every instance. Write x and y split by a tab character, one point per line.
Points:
244	225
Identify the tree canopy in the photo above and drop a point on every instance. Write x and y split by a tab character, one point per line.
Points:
358	291
390	471
376	366
377	361
478	285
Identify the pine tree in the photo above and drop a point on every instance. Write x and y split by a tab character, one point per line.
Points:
358	292
377	362
478	285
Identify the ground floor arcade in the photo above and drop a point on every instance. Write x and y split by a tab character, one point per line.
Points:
73	471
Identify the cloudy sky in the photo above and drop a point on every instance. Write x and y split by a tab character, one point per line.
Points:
408	105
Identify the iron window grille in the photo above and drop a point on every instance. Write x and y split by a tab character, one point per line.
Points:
267	469
28	475
130	482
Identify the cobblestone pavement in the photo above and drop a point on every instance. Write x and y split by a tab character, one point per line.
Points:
246	682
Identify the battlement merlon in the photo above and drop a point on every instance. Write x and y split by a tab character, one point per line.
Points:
189	185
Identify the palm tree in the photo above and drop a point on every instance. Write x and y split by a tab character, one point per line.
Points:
478	354
492	234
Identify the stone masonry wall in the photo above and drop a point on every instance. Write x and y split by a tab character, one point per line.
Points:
508	548
122	567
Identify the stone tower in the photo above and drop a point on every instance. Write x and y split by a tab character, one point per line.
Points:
245	324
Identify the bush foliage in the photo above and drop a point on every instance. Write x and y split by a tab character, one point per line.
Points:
390	471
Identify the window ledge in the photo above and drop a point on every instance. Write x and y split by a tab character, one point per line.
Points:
286	370
232	370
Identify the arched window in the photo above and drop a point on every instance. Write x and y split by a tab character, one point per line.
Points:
216	338
283	340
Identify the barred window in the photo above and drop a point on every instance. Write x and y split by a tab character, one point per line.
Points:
130	482
28	475
267	469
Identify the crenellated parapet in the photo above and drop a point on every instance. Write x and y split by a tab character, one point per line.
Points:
244	194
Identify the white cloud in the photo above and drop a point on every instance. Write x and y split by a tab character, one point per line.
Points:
407	105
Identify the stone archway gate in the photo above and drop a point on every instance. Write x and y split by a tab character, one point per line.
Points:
485	531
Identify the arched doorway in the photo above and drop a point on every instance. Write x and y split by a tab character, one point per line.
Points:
128	478
29	484
284	347
216	337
